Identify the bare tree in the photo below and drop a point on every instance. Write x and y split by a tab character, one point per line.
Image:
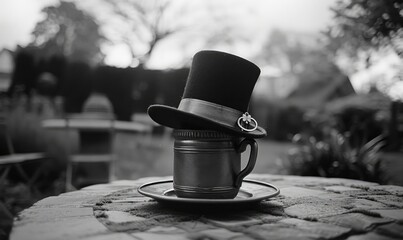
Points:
287	51
147	25
142	25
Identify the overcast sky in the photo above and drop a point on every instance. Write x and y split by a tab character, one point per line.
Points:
18	18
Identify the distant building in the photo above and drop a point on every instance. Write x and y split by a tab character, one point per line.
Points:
6	68
273	83
315	94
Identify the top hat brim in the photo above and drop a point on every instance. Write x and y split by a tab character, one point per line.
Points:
178	119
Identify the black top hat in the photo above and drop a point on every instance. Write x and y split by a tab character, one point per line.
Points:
216	97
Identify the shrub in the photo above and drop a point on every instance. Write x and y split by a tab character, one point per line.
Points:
334	156
342	143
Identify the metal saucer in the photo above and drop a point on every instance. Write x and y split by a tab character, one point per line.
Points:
251	192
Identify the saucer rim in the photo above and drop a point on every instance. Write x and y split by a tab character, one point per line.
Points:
167	199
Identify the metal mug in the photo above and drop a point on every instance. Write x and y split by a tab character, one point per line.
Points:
207	164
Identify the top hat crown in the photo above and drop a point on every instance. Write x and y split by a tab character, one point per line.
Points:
216	96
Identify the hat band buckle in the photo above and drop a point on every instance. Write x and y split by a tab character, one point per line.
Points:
247	120
224	115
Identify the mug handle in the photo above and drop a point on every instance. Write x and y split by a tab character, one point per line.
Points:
252	159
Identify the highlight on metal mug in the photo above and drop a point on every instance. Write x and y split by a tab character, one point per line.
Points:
207	164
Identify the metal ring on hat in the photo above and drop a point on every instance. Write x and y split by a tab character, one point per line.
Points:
247	119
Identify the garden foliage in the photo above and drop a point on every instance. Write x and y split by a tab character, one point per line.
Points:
343	144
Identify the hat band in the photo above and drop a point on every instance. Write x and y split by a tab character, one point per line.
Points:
219	113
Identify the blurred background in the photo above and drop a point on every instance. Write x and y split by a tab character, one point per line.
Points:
330	92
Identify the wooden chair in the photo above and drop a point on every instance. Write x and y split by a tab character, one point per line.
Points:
13	160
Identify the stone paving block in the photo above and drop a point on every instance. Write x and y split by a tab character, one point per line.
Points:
166	230
139	225
93	193
297	192
390	200
356	221
272	209
391	229
362	193
327	199
370	236
108	207
128	183
110	236
217	234
127	192
130	200
66	201
60	201
194	226
335	197
243	237
309	211
97	192
227	221
158	236
169	218
272	203
61	229
393	189
391	213
270	218
53	214
322	230
161	232
114	207
366	204
134	226
106	187
122	217
341	189
355	183
305	181
319	181
278	231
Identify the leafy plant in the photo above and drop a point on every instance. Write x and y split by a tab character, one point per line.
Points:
334	156
343	143
365	24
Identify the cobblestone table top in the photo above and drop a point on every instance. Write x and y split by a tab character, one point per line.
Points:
307	208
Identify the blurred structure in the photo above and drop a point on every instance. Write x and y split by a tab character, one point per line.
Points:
396	127
91	135
6	69
12	162
314	94
16	168
95	158
98	106
68	31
